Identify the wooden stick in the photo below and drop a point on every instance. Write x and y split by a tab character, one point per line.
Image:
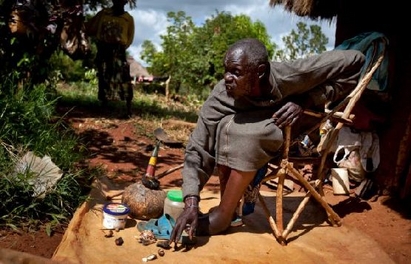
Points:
295	216
279	202
271	221
161	175
110	197
333	215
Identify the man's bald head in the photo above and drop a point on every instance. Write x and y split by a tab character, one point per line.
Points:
254	49
246	69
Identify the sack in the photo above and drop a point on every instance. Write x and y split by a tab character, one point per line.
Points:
351	160
16	23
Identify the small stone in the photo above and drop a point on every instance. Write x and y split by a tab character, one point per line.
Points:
119	241
149	258
109	234
164	244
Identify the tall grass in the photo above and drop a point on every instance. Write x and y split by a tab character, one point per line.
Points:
28	123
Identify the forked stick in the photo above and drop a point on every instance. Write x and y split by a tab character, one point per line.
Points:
161	175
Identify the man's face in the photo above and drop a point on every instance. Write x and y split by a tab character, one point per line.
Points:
240	78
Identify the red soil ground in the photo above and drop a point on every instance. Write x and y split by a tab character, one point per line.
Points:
123	147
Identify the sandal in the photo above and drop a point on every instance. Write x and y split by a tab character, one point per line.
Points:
161	227
236	222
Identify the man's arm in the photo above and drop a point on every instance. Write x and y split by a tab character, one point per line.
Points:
200	153
199	162
325	77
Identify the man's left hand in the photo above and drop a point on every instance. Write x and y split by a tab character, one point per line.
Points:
287	115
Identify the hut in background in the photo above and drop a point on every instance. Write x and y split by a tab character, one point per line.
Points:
136	69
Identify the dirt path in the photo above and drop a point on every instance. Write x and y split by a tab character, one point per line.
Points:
123	147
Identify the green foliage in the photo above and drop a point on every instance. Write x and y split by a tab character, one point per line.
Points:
303	43
192	54
222	30
178	47
67	69
25	56
94	4
149	53
28	123
91	76
20	62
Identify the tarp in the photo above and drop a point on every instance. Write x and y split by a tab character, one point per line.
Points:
312	240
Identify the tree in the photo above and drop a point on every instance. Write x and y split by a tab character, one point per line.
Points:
33	30
223	29
178	48
303	43
149	52
193	55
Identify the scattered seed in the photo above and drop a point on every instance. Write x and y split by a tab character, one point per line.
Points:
110	234
119	241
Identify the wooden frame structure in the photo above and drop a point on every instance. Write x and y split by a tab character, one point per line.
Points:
314	188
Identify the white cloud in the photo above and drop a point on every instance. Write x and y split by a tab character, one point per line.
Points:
150	18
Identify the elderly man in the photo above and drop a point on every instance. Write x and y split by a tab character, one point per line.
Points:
239	127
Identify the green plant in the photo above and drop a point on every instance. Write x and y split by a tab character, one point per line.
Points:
91	76
28	123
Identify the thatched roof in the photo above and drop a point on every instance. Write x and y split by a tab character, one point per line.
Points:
314	9
136	69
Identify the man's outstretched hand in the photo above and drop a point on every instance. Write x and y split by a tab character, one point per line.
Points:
288	114
188	220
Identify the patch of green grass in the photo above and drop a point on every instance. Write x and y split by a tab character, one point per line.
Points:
145	105
28	123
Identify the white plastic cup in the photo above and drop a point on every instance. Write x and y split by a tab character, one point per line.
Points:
340	181
173	204
115	215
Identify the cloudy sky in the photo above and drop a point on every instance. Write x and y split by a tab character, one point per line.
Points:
150	18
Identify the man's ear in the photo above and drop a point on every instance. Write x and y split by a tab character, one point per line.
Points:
261	70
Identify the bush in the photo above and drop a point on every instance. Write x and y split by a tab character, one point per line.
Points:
28	123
